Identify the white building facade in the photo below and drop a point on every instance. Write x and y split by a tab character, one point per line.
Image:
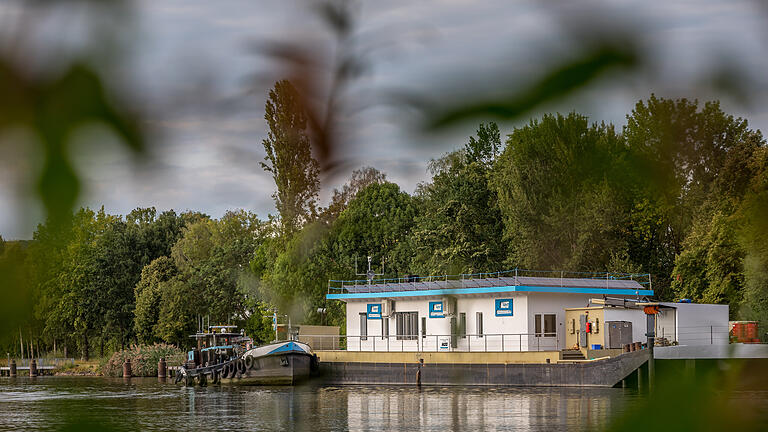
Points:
515	313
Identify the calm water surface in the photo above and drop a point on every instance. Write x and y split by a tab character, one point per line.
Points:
51	403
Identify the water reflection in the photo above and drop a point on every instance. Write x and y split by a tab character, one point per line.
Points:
148	404
482	409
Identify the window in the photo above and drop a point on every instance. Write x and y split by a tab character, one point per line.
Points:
463	325
385	328
407	325
547	322
363	326
479	324
423	327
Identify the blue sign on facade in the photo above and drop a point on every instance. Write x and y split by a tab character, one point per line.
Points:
374	311
504	307
436	309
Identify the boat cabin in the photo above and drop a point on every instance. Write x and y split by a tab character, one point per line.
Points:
218	344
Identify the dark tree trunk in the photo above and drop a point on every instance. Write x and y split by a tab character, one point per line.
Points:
86	347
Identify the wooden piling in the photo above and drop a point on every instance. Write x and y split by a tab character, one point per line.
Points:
12	368
161	368
127	368
33	368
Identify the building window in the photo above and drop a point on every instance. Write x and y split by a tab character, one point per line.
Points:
385	328
463	325
544	325
479	324
407	325
363	326
423	327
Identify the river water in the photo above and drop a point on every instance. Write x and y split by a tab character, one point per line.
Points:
80	403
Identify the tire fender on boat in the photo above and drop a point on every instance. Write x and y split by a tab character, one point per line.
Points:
249	362
241	366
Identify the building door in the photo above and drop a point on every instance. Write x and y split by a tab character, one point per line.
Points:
545	326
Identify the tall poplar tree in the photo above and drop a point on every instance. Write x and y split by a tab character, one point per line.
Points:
289	157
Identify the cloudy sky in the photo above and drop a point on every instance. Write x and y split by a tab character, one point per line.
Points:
199	71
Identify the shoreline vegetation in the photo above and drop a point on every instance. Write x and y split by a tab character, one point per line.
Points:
679	192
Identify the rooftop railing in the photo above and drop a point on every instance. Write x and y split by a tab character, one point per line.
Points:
477	280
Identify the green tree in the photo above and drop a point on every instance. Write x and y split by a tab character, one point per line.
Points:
378	222
710	267
691	163
359	180
148	294
459	228
178	309
559	184
289	157
212	258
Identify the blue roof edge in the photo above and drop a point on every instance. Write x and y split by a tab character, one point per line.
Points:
489	290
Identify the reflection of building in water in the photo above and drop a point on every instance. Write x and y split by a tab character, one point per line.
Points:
479	409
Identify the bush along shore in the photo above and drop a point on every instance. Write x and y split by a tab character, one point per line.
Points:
144	362
144	359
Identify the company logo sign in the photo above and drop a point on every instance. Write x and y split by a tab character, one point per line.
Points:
436	310
374	311
504	307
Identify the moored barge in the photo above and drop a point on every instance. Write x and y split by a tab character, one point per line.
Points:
227	357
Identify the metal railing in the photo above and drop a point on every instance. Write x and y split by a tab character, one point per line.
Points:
489	342
703	335
468	280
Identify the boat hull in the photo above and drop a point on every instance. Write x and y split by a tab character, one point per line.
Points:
278	369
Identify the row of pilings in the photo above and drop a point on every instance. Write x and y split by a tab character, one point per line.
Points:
13	368
162	368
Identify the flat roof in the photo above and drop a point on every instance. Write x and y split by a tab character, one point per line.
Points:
487	285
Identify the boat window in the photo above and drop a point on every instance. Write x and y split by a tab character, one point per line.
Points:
407	325
423	327
479	324
363	326
463	325
385	328
546	321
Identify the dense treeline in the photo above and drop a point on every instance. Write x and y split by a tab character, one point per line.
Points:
679	192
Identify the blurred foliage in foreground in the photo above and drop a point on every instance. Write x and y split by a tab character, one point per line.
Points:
713	395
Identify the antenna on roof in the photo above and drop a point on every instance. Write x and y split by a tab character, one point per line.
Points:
370	274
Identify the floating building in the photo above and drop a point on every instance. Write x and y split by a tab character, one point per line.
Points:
517	310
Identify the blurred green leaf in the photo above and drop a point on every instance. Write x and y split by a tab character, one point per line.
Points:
555	85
